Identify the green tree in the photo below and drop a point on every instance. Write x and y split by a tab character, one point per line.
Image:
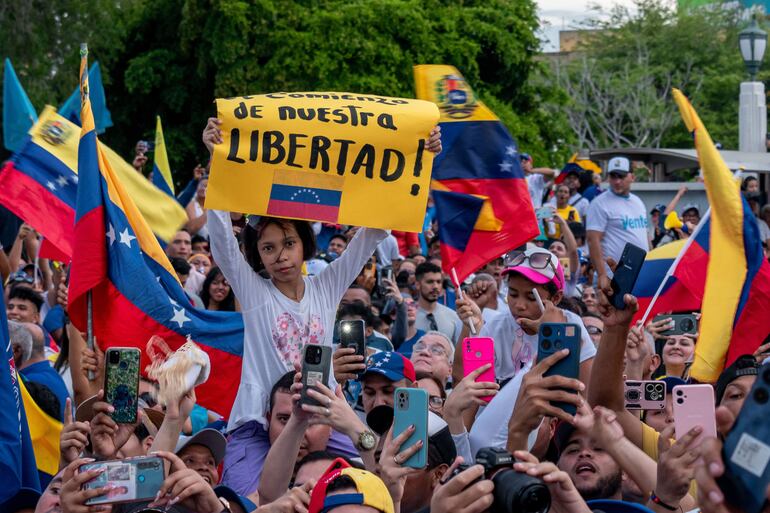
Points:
620	81
179	56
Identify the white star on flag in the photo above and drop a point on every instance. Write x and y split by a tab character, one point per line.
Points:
126	238
378	364
74	178
62	181
179	317
51	185
506	166
111	234
510	151
172	301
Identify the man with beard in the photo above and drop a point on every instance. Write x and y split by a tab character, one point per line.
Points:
432	316
593	471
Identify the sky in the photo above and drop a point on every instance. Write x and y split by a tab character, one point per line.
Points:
557	15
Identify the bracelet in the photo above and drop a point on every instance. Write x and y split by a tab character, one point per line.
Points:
654	498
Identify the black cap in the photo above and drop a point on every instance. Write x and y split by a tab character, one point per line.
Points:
744	365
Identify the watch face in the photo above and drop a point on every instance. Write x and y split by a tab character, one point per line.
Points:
367	440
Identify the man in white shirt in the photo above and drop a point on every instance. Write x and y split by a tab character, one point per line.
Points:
431	315
536	179
614	219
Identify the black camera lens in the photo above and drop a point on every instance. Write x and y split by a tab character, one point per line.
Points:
760	395
632	395
546	344
313	355
547	331
114	357
680	401
680	393
519	493
557	344
687	325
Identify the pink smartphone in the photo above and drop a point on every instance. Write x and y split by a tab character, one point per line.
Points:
478	351
694	406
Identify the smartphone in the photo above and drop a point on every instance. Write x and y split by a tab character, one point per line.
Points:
746	450
553	337
121	383
316	368
132	480
645	395
626	273
694	406
352	335
479	351
545	212
565	265
411	408
683	324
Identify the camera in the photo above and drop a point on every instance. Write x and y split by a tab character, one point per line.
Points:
313	354
514	491
683	324
114	357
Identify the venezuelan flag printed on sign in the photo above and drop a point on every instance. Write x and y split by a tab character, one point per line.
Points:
736	298
39	184
481	196
304	195
136	293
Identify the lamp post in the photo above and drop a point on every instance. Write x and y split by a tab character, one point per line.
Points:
752	117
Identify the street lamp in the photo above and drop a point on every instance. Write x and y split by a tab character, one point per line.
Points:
752	41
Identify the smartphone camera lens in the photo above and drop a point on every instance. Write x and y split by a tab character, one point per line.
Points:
632	395
313	355
680	401
557	344
679	393
547	331
760	395
546	344
114	357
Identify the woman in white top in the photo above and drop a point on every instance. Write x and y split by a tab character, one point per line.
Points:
281	313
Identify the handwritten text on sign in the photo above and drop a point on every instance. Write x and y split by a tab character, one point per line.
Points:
334	157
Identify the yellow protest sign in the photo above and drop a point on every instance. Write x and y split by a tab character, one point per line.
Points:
335	157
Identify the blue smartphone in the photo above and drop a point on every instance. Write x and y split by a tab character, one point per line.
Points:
626	273
132	479
410	407
746	451
553	337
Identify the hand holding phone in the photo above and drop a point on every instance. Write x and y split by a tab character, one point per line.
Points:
316	368
477	352
553	337
352	335
411	409
130	480
645	395
694	406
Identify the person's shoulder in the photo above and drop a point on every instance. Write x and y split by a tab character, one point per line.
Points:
572	317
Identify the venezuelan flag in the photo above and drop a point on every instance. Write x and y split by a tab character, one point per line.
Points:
161	171
303	195
39	184
736	297
136	293
683	290
481	196
18	470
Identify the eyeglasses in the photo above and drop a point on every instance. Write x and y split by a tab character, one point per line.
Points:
593	330
436	401
432	322
537	260
22	278
434	350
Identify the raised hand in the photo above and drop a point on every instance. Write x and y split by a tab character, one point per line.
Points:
467	492
564	496
346	364
468	393
212	134
74	437
73	498
433	144
391	469
107	436
186	486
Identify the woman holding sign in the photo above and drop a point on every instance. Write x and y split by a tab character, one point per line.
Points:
281	314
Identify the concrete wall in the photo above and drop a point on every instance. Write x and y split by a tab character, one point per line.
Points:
662	192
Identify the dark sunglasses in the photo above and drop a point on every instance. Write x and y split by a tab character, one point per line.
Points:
537	260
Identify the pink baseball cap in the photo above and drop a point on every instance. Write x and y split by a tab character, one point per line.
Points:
536	264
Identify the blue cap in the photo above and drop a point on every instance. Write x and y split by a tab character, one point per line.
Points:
660	207
229	495
392	365
671	382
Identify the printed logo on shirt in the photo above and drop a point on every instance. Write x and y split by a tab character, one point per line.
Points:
635	223
291	336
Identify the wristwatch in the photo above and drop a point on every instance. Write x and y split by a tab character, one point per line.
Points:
226	504
366	441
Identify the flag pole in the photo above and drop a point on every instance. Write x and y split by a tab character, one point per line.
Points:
675	264
90	329
471	324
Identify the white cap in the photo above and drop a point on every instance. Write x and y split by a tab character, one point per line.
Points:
619	165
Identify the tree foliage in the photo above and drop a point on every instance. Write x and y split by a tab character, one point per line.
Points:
179	56
620	83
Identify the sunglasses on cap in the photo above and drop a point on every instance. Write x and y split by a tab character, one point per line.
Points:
21	278
537	260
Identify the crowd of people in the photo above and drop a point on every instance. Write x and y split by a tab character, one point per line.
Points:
294	281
